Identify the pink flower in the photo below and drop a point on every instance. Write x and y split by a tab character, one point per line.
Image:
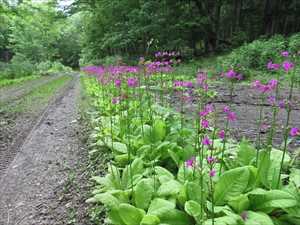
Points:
271	100
206	141
205	123
273	66
294	131
221	134
231	116
285	54
115	100
281	104
212	173
211	159
118	83
230	74
273	83
226	109
207	110
263	88
132	82
190	162
287	66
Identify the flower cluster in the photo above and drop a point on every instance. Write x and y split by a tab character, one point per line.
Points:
132	82
185	84
190	163
158	67
202	80
273	66
230	115
287	66
264	88
232	75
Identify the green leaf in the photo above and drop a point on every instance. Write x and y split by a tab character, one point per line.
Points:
119	147
143	193
263	167
267	201
163	174
224	220
160	206
106	199
159	130
239	203
150	220
171	187
232	183
176	217
257	218
194	191
295	177
276	155
193	209
114	217
246	153
130	214
137	168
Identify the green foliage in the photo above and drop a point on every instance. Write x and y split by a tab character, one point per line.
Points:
154	186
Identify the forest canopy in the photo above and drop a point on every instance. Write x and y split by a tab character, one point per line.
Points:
66	31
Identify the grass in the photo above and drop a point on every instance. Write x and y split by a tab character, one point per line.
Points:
38	96
9	82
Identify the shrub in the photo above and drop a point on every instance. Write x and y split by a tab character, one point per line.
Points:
294	43
47	67
19	67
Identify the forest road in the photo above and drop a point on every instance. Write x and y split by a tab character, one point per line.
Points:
31	188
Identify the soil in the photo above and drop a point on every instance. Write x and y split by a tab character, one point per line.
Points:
44	181
246	104
8	94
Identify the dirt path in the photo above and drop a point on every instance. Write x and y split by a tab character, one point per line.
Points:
17	91
31	190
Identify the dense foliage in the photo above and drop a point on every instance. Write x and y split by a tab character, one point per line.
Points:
35	36
181	167
131	27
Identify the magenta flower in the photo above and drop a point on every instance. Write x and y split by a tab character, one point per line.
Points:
231	116
211	159
264	88
212	173
118	83
207	110
115	100
282	104
271	100
132	82
230	74
205	123
206	141
190	162
226	109
202	80
294	131
273	83
273	66
221	134
285	54
287	66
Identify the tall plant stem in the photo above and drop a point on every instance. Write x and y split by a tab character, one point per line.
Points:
226	129
128	136
286	128
258	141
274	116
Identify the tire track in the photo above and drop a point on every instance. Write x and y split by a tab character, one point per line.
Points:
8	154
